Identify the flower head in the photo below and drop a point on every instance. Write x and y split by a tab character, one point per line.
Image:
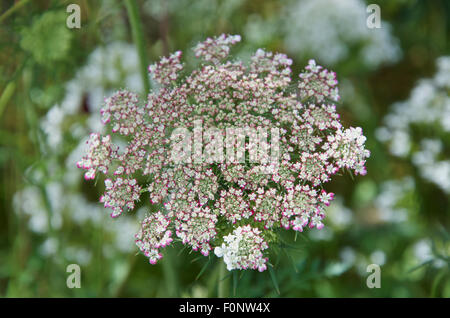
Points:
228	154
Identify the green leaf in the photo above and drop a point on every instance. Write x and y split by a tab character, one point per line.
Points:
436	281
291	259
6	95
274	279
204	268
420	265
47	39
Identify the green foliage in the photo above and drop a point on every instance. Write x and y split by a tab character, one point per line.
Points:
46	39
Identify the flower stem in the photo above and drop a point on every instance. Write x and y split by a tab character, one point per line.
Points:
222	284
14	8
139	41
170	276
6	95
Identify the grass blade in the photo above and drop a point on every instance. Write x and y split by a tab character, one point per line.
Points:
274	279
204	268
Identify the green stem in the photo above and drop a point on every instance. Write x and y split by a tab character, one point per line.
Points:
123	282
6	96
11	10
170	275
222	284
139	41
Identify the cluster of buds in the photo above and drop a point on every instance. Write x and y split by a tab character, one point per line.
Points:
236	205
196	228
232	205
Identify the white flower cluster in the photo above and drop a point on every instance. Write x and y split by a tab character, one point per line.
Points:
120	193
243	249
331	30
320	82
167	69
426	110
389	201
348	148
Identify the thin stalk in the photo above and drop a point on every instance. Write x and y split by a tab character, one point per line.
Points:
6	96
170	275
139	41
222	284
13	9
121	286
35	131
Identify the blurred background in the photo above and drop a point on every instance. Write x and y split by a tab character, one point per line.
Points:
394	83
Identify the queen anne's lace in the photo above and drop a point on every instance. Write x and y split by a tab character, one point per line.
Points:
237	206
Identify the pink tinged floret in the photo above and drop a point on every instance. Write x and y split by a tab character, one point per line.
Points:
326	198
90	174
262	267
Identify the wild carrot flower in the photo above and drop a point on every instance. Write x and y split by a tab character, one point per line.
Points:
174	158
428	107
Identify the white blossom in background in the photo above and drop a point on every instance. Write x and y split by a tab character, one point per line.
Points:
427	110
378	257
333	30
423	252
259	30
347	255
340	215
388	200
107	68
31	205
